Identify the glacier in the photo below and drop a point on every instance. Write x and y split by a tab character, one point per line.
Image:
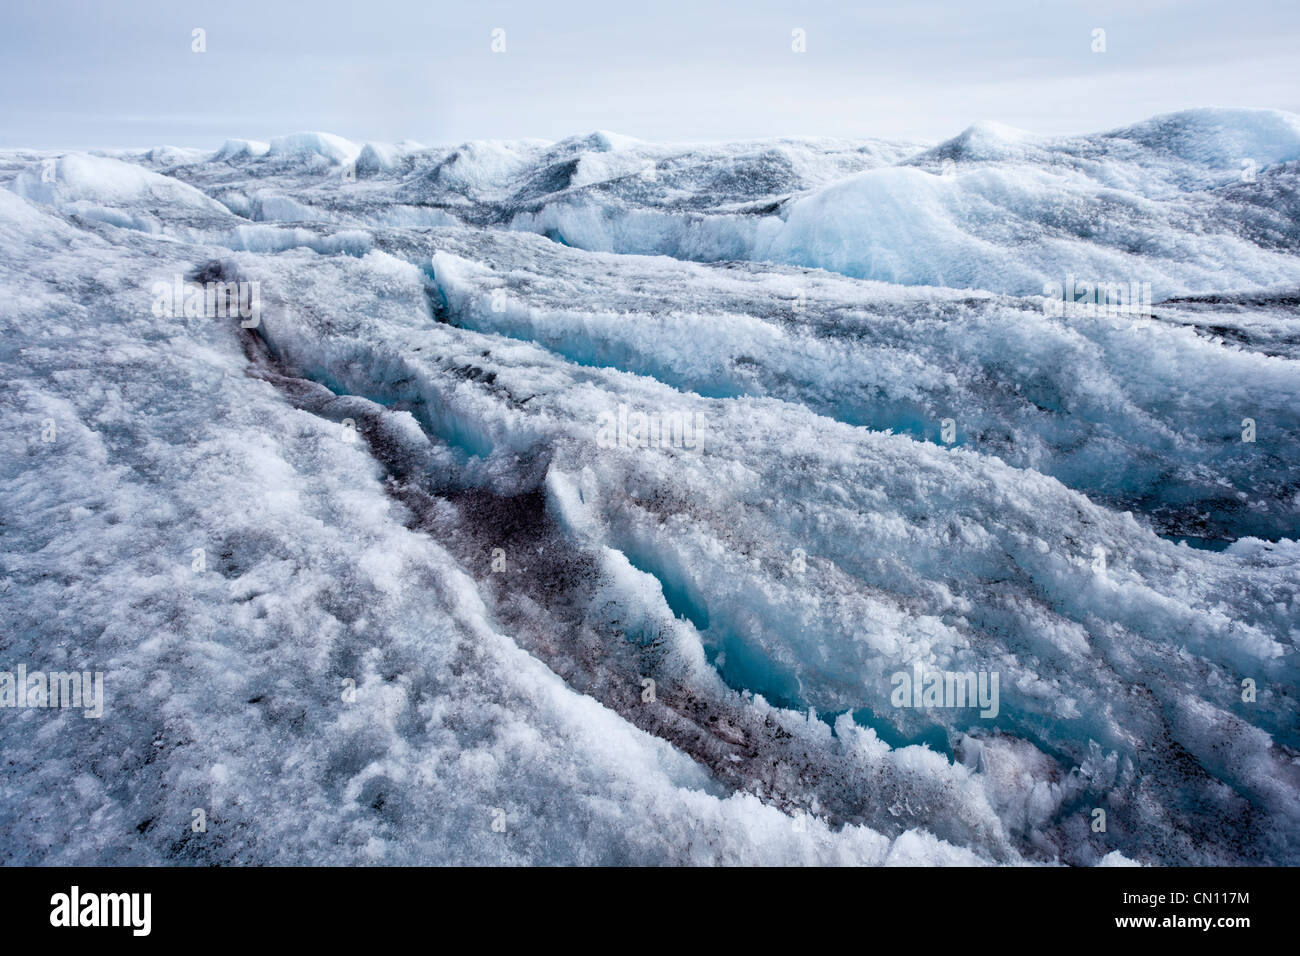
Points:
368	581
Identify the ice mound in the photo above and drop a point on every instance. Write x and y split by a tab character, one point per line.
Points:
80	177
902	225
482	169
269	205
1015	231
986	142
241	149
336	149
377	157
114	191
605	141
174	155
1220	138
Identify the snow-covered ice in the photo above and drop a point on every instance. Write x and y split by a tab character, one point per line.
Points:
383	572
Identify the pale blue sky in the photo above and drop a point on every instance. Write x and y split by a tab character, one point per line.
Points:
82	74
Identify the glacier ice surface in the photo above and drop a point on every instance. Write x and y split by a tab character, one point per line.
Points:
368	584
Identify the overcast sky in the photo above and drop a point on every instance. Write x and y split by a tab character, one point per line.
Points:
122	73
